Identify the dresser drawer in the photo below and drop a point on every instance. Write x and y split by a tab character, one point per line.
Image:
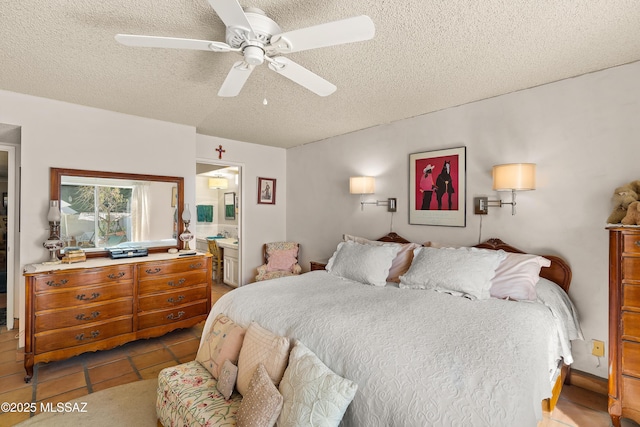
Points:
172	299
630	326
81	296
154	269
631	242
81	316
69	337
172	315
631	268
72	279
172	282
631	296
631	358
631	393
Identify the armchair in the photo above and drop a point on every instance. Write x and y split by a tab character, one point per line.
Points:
280	260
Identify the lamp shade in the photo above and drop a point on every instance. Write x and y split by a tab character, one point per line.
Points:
54	211
514	176
218	183
362	185
186	213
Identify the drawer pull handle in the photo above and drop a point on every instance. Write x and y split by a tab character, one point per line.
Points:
172	317
55	285
82	297
195	266
81	337
153	270
637	242
174	301
116	276
179	283
93	315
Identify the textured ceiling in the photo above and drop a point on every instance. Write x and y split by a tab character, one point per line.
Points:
426	55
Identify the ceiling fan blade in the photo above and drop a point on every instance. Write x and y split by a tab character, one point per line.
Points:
232	14
348	30
173	43
236	79
302	76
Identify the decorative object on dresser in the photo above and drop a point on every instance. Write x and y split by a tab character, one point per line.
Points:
53	244
624	324
186	236
104	303
72	255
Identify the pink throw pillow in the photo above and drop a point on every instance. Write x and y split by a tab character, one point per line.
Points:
223	343
517	275
282	260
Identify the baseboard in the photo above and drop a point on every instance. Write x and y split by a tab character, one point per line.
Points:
589	382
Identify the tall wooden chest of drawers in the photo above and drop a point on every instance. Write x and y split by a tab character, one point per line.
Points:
624	324
102	303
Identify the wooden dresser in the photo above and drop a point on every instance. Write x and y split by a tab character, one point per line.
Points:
624	324
102	303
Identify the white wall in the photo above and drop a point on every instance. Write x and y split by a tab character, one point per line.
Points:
259	223
59	134
582	133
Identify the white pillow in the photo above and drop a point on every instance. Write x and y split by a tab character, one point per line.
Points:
517	275
465	270
400	263
313	394
366	264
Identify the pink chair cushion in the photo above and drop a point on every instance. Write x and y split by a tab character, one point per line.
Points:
282	260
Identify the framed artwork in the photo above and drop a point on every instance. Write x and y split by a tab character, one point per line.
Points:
266	191
437	187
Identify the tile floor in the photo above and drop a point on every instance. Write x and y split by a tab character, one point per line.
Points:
64	380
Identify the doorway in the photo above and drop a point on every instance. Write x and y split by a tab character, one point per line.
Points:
219	216
7	223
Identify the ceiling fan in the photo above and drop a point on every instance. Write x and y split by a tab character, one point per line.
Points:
255	36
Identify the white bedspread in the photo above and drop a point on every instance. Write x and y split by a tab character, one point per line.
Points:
420	358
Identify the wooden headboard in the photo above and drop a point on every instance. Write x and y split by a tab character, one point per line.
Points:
558	272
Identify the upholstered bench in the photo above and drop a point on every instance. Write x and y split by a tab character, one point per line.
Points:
188	396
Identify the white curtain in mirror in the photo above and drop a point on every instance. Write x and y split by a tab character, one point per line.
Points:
140	213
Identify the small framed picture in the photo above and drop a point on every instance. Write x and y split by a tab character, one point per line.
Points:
437	187
266	191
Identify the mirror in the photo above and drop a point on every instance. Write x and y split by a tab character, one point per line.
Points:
102	210
229	205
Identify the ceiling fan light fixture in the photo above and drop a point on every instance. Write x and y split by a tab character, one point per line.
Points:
253	55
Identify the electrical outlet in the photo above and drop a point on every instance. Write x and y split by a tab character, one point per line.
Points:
598	348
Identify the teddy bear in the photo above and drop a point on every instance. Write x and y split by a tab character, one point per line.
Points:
633	214
622	198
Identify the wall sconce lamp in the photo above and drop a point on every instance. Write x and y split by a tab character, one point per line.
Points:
218	182
508	177
367	185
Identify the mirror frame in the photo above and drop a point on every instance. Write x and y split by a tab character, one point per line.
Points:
54	194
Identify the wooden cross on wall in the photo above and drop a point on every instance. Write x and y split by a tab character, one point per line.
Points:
220	151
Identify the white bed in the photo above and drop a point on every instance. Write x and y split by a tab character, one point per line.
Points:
420	357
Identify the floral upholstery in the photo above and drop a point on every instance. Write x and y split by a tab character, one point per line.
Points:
187	396
277	251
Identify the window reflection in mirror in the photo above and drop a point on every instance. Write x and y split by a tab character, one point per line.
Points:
102	210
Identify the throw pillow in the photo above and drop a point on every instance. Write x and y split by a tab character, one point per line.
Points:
313	394
262	403
400	263
261	347
465	270
282	260
223	342
366	264
227	380
517	275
